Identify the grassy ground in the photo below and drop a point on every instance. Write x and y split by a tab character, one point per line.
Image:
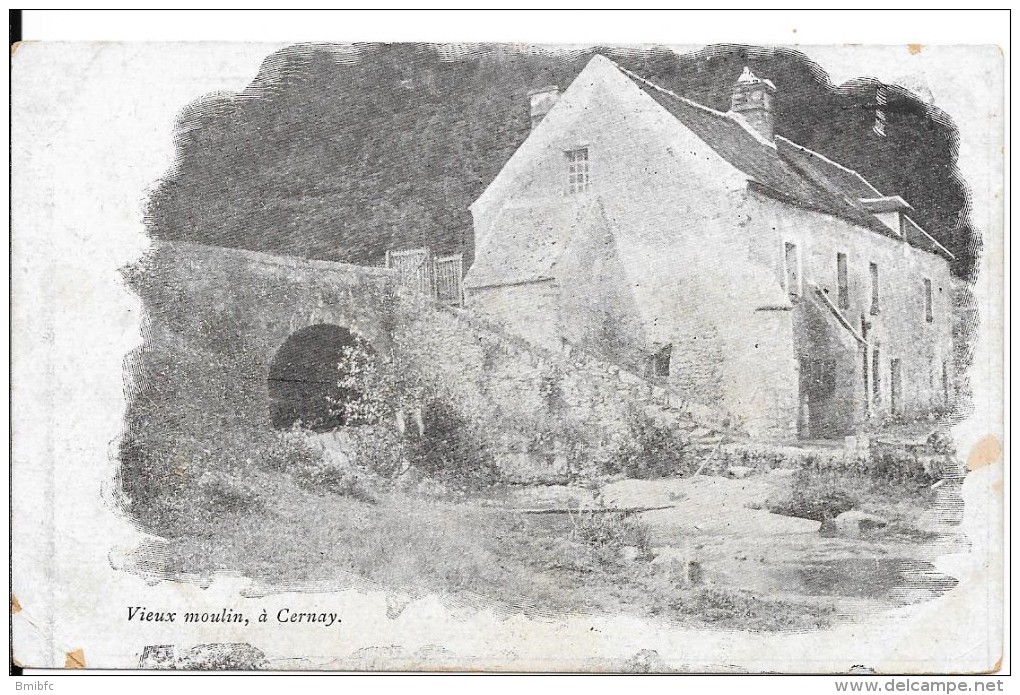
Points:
708	551
483	553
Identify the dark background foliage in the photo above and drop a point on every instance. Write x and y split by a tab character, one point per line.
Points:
340	152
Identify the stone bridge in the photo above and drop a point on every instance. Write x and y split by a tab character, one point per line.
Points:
263	331
238	339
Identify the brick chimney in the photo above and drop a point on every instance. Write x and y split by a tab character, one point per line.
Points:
754	99
542	100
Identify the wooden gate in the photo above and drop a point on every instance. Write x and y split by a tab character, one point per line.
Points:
449	272
439	278
415	267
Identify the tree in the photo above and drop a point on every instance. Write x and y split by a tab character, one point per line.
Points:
340	152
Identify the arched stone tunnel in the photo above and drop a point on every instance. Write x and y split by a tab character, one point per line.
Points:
256	338
307	383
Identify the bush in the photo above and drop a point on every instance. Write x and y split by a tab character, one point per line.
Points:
761	458
449	449
323	470
171	483
288	450
892	482
379	450
604	535
895	466
818	495
341	481
230	490
652	449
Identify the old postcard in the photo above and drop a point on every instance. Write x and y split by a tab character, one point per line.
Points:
507	357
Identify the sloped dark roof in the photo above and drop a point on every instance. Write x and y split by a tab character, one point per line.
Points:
741	148
847	181
921	239
784	169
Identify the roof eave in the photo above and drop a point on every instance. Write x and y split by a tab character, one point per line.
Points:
939	248
888	203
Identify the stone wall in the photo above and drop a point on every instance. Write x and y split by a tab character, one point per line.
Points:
527	309
215	319
534	403
898	328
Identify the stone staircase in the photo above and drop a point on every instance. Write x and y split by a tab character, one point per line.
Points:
707	430
712	437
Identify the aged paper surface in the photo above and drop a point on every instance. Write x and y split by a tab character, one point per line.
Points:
507	357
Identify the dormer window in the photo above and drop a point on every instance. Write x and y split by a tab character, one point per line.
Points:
578	177
889	210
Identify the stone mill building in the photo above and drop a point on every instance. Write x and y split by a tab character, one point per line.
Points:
736	267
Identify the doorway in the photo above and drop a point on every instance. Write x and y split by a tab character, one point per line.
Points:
818	418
